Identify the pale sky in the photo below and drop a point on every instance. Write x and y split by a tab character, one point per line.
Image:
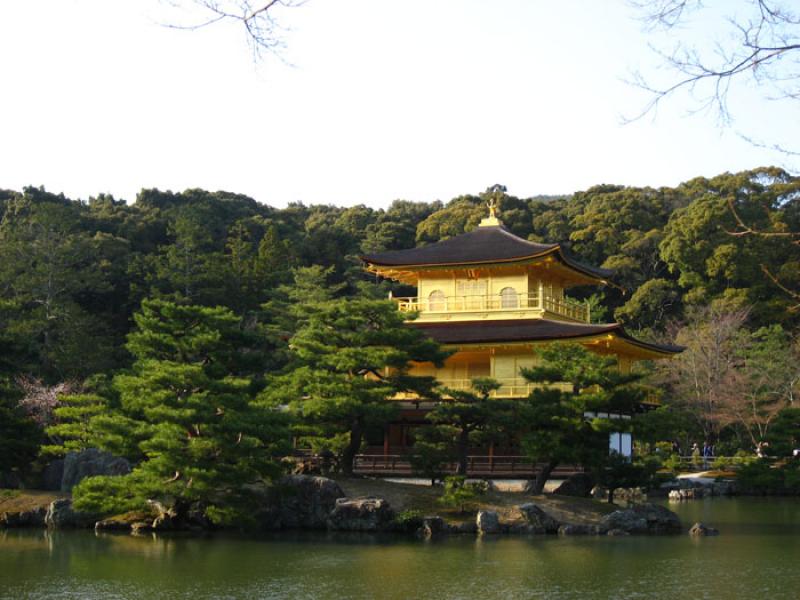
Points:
419	100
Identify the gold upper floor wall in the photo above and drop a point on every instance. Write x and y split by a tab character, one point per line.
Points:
530	291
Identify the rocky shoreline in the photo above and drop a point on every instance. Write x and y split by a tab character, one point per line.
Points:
303	502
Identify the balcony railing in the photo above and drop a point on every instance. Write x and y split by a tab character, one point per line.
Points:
512	387
570	309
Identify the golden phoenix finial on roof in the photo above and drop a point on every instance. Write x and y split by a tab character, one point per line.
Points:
495	194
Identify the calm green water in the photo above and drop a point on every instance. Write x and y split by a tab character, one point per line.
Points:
757	556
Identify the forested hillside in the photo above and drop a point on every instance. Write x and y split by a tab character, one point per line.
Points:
72	271
711	264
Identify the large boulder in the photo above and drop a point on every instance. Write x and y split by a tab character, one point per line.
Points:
432	527
61	515
361	514
625	520
24	518
88	463
579	485
300	502
52	475
487	522
538	520
643	518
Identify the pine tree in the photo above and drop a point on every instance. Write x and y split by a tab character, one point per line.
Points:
199	436
461	419
553	423
349	357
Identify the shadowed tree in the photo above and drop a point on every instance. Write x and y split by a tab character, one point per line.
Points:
553	422
349	357
191	425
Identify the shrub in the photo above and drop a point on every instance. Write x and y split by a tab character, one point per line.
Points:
673	463
761	478
460	494
409	520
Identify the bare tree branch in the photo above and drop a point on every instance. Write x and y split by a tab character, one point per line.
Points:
763	46
265	34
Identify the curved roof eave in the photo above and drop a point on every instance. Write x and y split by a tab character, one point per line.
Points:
592	272
534	330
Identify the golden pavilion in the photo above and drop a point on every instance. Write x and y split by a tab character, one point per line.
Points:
493	298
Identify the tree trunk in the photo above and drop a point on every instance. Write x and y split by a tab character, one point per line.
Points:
541	477
349	454
463	449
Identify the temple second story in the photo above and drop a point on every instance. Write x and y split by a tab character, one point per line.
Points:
489	273
493	299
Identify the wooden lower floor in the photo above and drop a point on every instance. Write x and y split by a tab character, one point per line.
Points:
503	466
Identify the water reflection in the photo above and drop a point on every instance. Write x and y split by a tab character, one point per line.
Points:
753	557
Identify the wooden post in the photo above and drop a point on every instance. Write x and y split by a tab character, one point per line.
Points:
491	457
386	441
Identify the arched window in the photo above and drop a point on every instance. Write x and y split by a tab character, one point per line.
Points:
437	301
508	298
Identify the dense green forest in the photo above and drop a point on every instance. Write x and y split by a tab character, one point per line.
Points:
709	253
72	272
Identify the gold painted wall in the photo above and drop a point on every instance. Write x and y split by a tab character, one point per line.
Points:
492	283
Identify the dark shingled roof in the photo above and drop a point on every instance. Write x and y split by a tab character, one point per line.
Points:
483	245
526	330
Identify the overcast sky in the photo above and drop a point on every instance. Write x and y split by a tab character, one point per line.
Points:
375	100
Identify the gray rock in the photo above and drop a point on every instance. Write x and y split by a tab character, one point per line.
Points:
520	528
61	515
300	502
616	532
487	522
52	475
88	463
724	487
575	529
579	485
361	514
432	527
466	527
644	518
625	520
25	518
701	529
112	525
538	519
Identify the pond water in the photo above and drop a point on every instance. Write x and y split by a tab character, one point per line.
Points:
756	556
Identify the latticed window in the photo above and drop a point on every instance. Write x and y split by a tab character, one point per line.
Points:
509	298
437	301
472	292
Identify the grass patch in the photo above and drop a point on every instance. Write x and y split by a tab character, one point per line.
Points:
24	500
